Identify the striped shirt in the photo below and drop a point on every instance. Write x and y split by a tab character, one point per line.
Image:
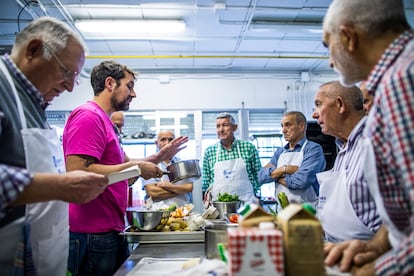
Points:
248	153
390	126
13	181
348	159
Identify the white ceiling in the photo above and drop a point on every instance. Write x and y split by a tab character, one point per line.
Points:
220	36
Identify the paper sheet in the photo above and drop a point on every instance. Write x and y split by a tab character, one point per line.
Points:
124	174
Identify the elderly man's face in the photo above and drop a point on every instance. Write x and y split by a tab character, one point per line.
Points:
225	130
325	112
341	60
52	77
291	129
368	98
164	138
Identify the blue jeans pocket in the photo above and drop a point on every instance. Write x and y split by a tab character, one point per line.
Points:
103	251
74	256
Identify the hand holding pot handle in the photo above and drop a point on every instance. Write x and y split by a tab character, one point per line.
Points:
149	170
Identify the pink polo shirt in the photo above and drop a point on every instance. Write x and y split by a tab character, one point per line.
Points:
89	131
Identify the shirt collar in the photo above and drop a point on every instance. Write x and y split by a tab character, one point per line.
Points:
390	55
25	82
233	144
298	145
355	133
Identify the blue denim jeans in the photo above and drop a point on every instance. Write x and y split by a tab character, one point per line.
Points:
96	254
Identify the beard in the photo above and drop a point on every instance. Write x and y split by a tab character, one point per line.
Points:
349	71
120	105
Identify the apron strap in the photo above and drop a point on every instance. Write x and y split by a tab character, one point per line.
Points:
18	211
16	96
304	145
219	148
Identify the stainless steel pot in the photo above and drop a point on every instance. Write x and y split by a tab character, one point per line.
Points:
184	171
214	234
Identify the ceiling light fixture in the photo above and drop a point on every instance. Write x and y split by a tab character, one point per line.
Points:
275	26
128	28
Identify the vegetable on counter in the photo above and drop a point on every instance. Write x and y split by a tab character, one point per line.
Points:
283	200
172	207
272	212
234	218
225	197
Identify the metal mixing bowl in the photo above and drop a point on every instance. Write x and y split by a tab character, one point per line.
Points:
226	207
148	220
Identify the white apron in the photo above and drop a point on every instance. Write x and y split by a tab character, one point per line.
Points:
298	196
49	221
335	210
230	176
368	159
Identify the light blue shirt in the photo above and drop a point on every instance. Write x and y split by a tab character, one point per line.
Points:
313	163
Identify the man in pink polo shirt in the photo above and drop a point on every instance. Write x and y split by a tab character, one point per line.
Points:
91	144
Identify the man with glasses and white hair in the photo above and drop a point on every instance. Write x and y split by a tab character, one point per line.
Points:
34	190
372	40
231	165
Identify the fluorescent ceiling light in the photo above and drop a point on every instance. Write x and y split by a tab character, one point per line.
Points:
280	26
128	28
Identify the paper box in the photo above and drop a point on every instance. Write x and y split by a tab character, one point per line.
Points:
254	251
254	216
302	241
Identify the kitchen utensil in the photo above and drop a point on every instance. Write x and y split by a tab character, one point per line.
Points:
184	171
147	220
214	234
226	207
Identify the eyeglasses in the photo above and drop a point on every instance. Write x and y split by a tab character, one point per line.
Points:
67	74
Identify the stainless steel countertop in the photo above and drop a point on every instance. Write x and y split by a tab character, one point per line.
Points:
166	250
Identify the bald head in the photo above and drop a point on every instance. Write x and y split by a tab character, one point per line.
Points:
338	109
118	118
164	137
352	96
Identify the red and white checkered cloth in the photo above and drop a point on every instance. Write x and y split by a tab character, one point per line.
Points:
261	244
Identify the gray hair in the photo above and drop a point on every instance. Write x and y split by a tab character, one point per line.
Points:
108	68
226	115
374	17
352	95
300	117
51	31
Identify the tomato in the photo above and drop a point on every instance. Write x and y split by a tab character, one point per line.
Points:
234	218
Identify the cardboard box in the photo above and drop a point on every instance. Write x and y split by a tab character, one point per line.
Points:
254	251
302	241
254	216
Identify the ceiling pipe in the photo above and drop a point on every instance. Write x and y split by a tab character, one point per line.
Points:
245	28
30	10
201	57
